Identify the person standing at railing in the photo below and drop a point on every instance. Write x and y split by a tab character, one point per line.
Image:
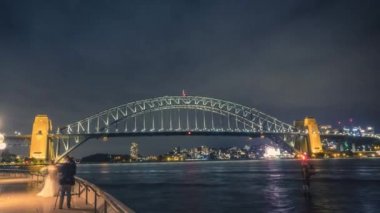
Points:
67	170
50	188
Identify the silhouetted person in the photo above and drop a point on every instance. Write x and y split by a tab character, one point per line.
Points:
67	170
307	171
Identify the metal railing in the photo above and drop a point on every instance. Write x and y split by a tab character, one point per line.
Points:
101	201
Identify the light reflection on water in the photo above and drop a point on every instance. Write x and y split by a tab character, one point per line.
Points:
240	186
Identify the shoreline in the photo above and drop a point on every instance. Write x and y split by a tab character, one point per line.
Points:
2	165
224	161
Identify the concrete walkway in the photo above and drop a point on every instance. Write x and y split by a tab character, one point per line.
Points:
18	194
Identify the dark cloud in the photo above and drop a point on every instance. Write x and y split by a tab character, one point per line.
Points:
290	59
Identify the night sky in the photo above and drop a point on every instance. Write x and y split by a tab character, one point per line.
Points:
290	59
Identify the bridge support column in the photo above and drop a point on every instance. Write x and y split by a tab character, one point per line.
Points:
310	144
41	145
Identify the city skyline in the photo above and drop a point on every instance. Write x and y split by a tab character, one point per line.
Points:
72	59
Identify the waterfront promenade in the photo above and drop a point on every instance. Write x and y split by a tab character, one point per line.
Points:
18	194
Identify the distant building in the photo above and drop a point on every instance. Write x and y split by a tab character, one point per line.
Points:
204	150
177	150
370	130
341	148
326	129
134	151
271	152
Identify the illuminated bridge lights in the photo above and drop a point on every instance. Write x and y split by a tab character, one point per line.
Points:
171	114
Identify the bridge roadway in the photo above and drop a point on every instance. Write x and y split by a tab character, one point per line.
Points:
179	133
215	133
18	194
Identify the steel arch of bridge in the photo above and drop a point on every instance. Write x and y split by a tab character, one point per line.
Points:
117	121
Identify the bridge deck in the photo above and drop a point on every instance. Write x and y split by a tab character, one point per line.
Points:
18	194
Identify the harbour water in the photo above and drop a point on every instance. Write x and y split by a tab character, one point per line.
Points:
345	185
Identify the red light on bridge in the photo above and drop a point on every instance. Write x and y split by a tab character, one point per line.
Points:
304	158
189	133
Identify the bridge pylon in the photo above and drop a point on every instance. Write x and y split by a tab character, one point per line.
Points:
311	143
41	147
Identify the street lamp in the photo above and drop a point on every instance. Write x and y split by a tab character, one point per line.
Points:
2	144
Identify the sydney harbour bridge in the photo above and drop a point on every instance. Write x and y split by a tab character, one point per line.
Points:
170	116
